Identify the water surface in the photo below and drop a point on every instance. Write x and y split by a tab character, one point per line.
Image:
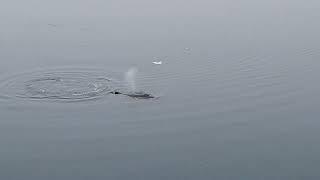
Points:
237	91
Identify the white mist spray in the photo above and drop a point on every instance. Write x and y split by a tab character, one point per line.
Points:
130	78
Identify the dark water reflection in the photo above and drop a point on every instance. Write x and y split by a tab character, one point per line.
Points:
237	93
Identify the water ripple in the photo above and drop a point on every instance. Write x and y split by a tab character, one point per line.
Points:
62	85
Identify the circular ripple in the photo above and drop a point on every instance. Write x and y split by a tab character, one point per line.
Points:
59	85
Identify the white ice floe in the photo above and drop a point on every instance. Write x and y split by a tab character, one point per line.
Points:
157	62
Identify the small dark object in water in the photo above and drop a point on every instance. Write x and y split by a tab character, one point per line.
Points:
116	92
138	95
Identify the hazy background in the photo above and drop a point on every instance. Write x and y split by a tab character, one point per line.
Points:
239	97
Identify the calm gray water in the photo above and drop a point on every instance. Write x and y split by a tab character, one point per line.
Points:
237	93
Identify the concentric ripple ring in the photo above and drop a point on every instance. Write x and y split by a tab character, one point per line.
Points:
64	85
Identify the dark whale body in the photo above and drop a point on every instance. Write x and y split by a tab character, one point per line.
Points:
138	95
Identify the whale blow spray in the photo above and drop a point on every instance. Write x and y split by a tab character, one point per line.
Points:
130	78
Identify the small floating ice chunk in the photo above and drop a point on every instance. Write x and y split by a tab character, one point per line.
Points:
157	62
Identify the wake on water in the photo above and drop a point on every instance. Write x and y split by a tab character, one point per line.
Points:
69	85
